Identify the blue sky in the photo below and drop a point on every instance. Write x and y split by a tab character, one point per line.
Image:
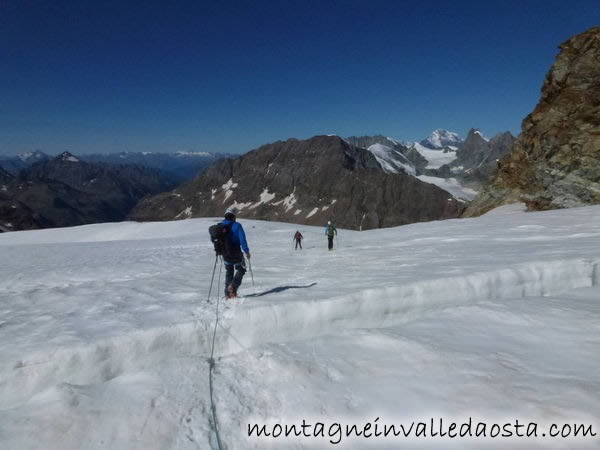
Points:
230	76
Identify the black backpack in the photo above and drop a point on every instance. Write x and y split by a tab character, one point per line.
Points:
219	235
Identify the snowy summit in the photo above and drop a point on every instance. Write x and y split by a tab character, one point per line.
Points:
442	138
66	156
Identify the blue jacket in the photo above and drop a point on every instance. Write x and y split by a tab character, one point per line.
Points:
237	235
333	230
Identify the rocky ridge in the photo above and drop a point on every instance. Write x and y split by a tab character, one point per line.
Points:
305	181
555	162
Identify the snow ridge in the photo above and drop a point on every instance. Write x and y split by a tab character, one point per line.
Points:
279	322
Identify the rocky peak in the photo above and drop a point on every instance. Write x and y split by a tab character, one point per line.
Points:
475	136
473	151
66	156
555	162
500	145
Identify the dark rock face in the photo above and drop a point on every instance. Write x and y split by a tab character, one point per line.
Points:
477	156
367	141
555	162
66	192
305	181
5	176
500	145
474	150
418	161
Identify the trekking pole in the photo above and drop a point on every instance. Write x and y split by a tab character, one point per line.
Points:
220	271
251	274
212	278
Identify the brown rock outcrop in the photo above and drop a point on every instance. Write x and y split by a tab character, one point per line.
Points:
555	162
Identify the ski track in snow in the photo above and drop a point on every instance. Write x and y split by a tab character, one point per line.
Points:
112	321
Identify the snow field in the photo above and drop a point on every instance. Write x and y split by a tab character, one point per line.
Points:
105	329
495	360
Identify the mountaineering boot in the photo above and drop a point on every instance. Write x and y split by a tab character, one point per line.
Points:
231	293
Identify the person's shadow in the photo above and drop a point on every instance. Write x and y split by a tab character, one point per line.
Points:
279	289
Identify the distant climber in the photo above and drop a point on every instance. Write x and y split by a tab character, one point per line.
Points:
330	231
229	240
298	238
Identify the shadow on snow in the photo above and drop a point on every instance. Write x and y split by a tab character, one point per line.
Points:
280	289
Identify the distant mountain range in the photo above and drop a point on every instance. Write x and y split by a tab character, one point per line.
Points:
180	166
13	164
65	191
444	159
361	182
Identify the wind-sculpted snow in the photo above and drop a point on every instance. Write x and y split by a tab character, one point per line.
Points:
385	307
116	314
252	326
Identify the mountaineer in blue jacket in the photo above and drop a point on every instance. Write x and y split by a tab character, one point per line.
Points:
232	256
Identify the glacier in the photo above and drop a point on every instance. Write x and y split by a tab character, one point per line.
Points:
105	331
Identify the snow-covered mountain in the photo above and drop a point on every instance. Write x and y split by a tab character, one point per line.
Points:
309	181
391	160
461	167
32	157
442	159
23	160
106	333
442	138
437	157
389	153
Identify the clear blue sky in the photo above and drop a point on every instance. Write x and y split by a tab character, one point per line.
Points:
227	76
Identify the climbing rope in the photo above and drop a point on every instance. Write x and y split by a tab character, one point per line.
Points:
211	360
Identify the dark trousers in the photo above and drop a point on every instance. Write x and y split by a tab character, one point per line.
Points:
330	242
298	243
231	279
